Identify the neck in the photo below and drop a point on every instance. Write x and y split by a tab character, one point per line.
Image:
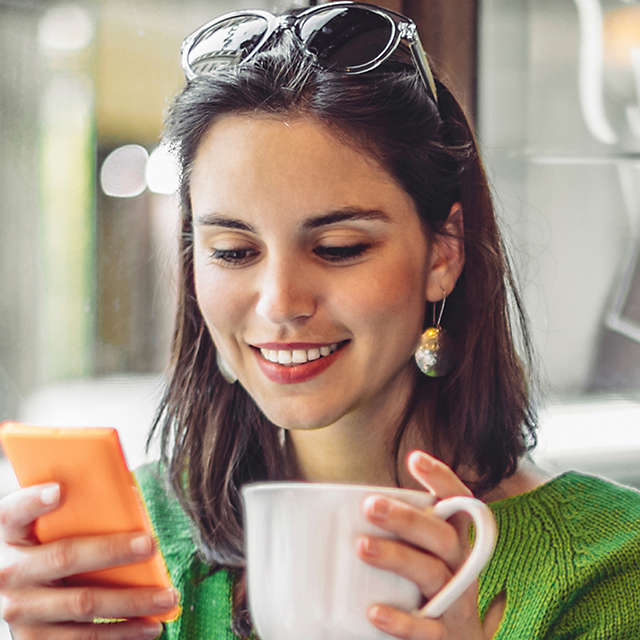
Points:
358	448
338	454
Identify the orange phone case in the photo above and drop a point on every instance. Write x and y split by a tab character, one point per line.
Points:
99	495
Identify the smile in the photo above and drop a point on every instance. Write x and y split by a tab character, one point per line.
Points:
299	363
298	356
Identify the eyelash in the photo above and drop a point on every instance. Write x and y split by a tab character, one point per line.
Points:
339	254
231	256
238	257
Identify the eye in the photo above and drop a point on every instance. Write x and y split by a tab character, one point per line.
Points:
232	257
341	253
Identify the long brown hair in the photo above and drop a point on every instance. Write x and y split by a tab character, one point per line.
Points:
214	438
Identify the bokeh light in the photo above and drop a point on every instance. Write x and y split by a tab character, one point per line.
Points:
66	27
162	171
123	171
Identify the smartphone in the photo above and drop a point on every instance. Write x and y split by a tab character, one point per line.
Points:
98	495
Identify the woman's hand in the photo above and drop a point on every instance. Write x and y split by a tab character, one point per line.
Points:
429	552
34	600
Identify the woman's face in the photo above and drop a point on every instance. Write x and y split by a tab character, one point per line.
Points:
311	268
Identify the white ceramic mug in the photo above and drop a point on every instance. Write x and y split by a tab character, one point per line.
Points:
305	579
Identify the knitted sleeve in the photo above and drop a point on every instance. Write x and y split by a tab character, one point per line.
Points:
568	562
606	610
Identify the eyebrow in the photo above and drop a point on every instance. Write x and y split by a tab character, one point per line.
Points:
346	214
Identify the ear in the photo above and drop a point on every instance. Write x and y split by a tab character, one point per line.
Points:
447	256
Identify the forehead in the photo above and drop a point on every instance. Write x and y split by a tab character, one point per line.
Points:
247	162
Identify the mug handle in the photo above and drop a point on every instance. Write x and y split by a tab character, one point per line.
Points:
485	539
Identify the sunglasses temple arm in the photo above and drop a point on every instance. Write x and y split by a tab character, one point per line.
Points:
420	58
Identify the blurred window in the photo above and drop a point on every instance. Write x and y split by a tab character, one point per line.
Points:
559	125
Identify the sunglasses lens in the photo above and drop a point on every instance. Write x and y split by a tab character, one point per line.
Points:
226	43
343	38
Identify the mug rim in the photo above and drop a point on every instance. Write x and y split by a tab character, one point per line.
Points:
370	489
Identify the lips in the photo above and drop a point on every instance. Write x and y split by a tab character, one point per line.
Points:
298	362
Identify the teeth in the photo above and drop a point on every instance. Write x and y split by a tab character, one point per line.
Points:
270	355
297	356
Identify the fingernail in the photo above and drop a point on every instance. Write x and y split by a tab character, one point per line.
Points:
380	615
50	494
141	545
423	462
370	547
377	507
166	598
148	633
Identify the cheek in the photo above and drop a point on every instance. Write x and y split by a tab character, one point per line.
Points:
210	290
394	298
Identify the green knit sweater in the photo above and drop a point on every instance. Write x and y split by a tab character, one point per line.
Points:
567	559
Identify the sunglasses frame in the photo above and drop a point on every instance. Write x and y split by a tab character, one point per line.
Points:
402	29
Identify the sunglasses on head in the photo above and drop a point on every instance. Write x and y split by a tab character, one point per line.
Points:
349	37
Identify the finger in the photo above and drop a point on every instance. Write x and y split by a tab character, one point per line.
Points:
401	624
84	604
439	479
435	476
418	527
425	570
19	510
130	630
41	564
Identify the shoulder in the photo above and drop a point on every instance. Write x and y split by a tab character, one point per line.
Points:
579	498
575	511
589	493
156	490
205	591
568	552
171	524
602	553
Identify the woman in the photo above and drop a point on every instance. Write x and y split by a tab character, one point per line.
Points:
327	216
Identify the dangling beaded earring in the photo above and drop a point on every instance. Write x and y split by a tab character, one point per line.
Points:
225	369
434	355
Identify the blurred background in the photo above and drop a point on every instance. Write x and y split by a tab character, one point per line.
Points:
88	210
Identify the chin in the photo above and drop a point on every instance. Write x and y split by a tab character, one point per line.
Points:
305	419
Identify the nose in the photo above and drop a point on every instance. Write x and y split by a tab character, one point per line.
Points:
287	293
